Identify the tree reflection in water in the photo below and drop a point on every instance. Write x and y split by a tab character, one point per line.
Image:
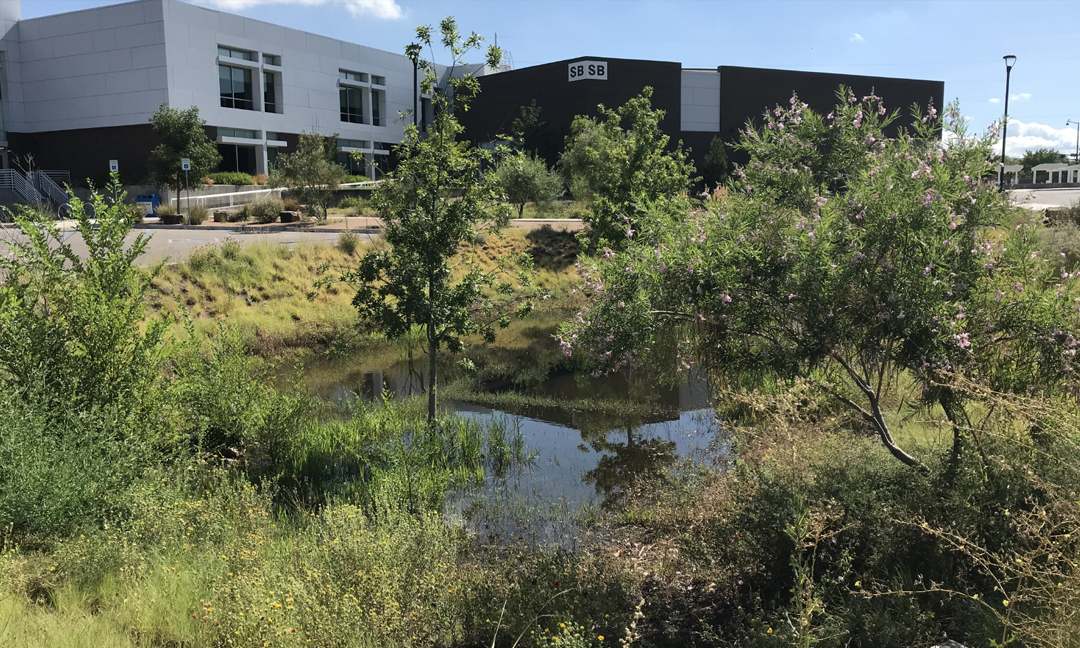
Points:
622	465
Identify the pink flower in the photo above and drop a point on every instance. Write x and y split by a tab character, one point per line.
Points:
962	340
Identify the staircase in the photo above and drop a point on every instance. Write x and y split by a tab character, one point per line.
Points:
13	180
46	182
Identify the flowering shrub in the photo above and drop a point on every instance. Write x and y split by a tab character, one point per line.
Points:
848	256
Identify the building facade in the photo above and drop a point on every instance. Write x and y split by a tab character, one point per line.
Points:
700	103
78	89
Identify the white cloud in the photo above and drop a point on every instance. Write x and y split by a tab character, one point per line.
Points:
386	9
856	38
1023	96
995	100
1028	136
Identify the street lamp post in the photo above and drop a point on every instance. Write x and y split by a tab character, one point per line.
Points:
1076	158
1010	60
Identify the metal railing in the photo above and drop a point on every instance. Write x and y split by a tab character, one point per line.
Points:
59	177
17	182
48	187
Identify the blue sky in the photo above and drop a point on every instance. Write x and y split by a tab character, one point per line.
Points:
960	43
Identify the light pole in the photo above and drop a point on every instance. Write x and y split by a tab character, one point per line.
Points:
1076	158
1010	60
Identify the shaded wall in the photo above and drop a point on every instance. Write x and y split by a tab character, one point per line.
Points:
502	95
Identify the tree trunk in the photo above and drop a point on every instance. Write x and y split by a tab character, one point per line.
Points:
433	377
521	210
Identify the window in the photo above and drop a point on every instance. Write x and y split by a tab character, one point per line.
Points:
427	114
235	53
359	77
352	105
278	137
351	143
237	158
382	146
378	80
377	98
271	157
351	165
270	92
237	132
272	59
236	89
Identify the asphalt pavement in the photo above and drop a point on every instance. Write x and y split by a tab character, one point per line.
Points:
1040	199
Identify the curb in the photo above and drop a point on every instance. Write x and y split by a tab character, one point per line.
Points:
272	229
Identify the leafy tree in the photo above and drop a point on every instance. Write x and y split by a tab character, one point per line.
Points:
620	161
524	178
528	129
847	259
432	203
73	327
715	171
311	172
1033	159
182	136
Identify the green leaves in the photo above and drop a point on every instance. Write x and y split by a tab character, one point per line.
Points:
311	172
182	135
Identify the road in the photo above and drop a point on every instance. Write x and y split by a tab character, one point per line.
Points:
176	244
1039	199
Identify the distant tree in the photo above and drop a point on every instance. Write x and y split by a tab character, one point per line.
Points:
1033	159
524	178
621	162
527	128
311	172
715	171
182	136
432	203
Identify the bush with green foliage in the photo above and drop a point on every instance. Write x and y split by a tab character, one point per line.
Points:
166	209
523	178
266	209
356	178
848	256
355	203
715	170
197	215
348	242
292	204
231	178
620	163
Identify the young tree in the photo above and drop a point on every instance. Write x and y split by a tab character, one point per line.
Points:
182	136
715	171
524	179
432	203
311	172
621	159
850	260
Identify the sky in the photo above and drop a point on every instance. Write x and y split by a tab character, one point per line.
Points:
960	43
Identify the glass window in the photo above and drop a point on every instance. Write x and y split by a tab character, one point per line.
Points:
382	146
351	143
272	59
378	80
376	107
271	135
236	132
271	157
352	105
359	77
270	92
235	53
351	165
237	158
236	88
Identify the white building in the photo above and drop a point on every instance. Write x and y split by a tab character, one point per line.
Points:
1056	173
77	89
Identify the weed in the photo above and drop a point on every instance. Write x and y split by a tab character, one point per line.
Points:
197	214
348	242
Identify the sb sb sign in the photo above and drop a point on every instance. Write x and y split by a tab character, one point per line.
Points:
588	70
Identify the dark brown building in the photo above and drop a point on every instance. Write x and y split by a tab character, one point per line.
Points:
700	103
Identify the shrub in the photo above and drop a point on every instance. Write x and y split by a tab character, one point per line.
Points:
197	214
353	202
231	178
348	242
166	209
266	209
357	178
292	204
260	179
240	215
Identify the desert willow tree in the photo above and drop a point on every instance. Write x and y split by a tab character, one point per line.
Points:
848	259
436	200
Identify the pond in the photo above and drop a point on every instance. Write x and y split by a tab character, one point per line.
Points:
592	439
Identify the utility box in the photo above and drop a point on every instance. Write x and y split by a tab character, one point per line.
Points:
148	203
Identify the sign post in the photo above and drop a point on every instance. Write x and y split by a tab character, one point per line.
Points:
114	166
185	164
